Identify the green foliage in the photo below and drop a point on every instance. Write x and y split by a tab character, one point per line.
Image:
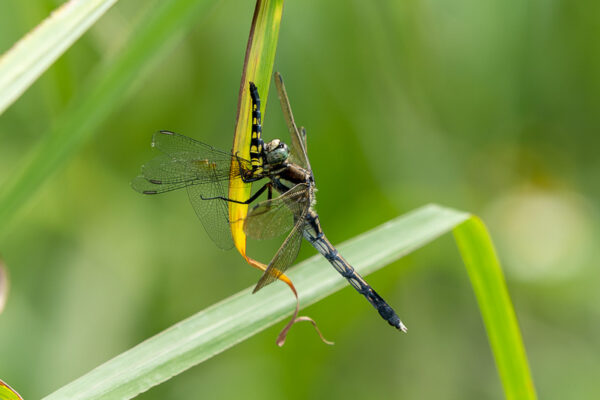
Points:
32	55
258	68
8	393
496	308
105	91
395	98
235	319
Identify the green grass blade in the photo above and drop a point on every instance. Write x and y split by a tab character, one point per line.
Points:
35	52
3	286
8	393
486	276
258	68
105	92
233	320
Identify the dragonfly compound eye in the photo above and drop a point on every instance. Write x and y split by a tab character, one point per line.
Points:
276	152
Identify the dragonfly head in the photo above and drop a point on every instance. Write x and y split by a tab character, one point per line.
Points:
276	152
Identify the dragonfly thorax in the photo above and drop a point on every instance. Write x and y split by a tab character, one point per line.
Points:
276	152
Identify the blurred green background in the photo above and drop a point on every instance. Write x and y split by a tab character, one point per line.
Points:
489	107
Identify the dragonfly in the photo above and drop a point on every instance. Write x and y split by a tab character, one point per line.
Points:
204	172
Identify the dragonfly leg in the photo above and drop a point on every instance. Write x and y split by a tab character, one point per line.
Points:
249	175
250	200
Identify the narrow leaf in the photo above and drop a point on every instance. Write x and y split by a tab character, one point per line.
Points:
235	319
8	393
104	93
35	52
258	68
487	279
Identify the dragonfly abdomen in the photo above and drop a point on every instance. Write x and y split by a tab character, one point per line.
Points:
315	236
256	141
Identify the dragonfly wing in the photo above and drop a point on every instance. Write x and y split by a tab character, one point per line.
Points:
212	213
303	136
172	143
184	162
187	160
299	154
285	256
202	169
268	219
145	186
274	217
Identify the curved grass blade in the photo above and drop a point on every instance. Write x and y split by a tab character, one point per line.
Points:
235	319
258	68
500	321
104	93
35	52
8	393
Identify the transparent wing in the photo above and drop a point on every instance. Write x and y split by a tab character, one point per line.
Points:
212	213
172	143
303	136
297	201
185	160
272	218
298	154
149	186
285	256
201	169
